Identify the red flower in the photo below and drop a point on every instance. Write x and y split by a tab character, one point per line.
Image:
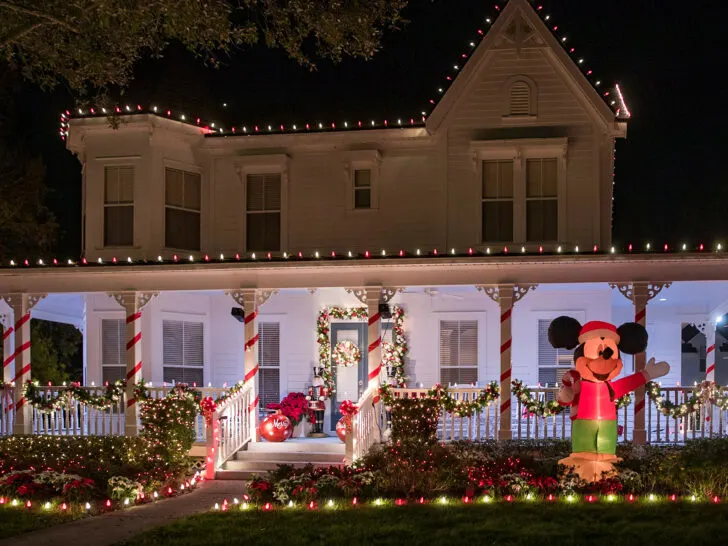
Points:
26	489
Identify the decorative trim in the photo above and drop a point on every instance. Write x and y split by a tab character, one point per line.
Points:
388	293
628	289
136	299
493	291
15	299
358	293
263	295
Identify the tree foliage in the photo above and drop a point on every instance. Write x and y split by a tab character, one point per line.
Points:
55	353
94	44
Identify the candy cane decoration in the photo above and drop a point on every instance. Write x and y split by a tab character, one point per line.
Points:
640	317
710	352
133	361
251	349
8	353
375	349
22	358
506	308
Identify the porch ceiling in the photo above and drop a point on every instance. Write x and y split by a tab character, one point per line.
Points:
400	272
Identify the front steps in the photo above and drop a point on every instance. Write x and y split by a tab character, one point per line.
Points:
260	457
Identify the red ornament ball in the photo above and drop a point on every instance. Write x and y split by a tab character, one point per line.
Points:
341	430
276	428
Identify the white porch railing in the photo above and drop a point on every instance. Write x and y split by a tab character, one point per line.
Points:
366	427
230	428
76	419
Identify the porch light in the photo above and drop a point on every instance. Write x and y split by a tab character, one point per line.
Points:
418	251
128	259
576	249
222	256
285	254
384	252
684	246
523	249
648	246
558	249
12	262
612	250
192	259
253	255
349	254
315	254
487	250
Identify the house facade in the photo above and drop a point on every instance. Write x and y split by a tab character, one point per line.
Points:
482	220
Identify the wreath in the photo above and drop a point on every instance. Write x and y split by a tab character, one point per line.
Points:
346	353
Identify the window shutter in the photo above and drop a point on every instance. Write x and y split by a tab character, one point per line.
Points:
269	382
520	99
113	350
183	351
552	363
272	192
458	352
172	342
193	344
254	192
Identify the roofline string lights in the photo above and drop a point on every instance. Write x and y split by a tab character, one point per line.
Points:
515	250
211	129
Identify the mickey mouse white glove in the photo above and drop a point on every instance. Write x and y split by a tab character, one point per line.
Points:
653	369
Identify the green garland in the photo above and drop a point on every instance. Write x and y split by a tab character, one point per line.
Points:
461	408
552	407
112	394
323	327
708	393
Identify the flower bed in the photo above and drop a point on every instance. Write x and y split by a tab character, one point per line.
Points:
506	470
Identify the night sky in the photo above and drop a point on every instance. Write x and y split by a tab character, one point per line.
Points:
669	58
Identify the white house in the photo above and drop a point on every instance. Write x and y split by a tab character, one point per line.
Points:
482	220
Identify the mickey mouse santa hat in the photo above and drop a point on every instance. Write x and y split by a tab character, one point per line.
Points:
598	329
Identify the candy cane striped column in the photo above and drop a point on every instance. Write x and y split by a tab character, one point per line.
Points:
133	363
374	335
640	298
8	351
250	308
710	351
505	301
21	305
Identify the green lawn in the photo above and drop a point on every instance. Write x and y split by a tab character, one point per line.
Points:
538	524
14	521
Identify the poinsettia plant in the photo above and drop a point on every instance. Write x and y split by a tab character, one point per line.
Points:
295	407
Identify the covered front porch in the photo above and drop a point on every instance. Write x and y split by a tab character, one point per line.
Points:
461	325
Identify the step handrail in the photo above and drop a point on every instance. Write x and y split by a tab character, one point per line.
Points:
365	431
229	429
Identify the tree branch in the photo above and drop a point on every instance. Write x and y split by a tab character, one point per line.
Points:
19	33
38	14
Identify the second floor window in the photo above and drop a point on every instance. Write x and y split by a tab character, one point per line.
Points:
263	212
119	206
182	209
542	223
362	189
497	201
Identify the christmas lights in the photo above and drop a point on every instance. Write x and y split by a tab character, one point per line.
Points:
335	255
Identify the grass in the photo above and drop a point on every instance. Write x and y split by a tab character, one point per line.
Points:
14	521
539	524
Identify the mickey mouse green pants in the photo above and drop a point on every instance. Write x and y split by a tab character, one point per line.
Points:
592	436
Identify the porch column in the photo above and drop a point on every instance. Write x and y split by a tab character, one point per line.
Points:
250	310
506	295
21	304
132	302
710	350
374	337
640	293
8	347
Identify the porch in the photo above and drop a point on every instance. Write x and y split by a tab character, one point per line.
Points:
267	342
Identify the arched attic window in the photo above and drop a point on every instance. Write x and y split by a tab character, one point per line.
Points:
520	97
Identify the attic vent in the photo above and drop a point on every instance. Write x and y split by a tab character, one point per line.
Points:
520	99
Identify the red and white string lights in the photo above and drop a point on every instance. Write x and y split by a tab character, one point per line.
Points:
335	255
210	129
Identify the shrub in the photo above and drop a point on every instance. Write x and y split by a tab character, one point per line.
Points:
415	420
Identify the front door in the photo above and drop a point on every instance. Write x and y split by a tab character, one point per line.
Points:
350	382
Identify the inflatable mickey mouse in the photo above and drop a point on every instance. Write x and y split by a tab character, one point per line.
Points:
590	391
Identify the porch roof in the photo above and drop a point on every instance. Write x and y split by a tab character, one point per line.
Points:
356	272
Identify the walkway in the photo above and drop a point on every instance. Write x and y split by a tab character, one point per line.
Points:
122	525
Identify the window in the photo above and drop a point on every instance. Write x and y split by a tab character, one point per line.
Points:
182	209
183	352
542	219
552	363
362	188
263	212
119	206
497	201
113	350
458	352
520	104
269	362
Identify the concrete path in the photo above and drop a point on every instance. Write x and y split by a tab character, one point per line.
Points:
122	525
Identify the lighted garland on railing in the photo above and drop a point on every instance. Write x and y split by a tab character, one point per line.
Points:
393	354
707	393
549	408
113	393
461	408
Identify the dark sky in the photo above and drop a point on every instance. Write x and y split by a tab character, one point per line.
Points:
669	57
